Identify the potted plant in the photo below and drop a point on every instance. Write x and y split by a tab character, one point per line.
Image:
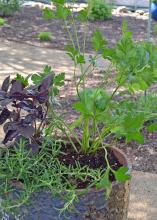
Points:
56	170
154	9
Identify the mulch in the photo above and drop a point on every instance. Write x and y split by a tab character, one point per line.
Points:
27	23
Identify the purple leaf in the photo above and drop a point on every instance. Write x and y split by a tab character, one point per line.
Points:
5	114
15	115
2	95
46	83
17	87
10	135
5	102
18	95
9	126
43	97
5	85
26	105
26	130
31	91
4	99
33	147
29	119
39	113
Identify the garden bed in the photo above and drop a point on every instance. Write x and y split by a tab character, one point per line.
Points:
26	24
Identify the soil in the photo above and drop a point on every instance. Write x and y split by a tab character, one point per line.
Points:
92	160
27	23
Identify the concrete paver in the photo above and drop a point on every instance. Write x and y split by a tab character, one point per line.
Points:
143	198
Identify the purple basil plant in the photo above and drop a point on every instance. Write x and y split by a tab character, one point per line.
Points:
24	110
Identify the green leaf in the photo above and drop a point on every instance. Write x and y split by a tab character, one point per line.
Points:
135	136
132	122
37	78
71	52
125	26
55	91
108	53
80	59
79	106
152	127
61	2
48	13
83	15
122	174
105	183
59	79
22	79
62	12
98	41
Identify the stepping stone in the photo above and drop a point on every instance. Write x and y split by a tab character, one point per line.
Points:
143	198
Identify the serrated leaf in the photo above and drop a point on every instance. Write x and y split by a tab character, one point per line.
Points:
38	78
152	127
55	91
22	79
79	106
58	1
71	52
59	79
83	15
98	41
124	26
62	12
135	136
80	59
132	122
48	13
122	174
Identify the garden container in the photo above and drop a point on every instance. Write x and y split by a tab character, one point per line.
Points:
92	205
154	10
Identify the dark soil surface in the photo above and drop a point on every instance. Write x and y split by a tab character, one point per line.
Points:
24	27
26	24
93	161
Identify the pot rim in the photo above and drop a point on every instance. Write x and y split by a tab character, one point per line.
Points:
122	158
119	154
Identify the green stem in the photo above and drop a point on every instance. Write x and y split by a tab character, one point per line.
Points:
69	33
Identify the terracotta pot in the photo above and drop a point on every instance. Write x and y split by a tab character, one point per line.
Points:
91	206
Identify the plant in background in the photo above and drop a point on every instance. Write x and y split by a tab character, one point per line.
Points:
45	36
2	21
8	7
100	10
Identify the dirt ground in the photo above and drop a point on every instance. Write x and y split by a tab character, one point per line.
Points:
27	23
24	28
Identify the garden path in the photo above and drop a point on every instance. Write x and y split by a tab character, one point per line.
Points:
15	57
